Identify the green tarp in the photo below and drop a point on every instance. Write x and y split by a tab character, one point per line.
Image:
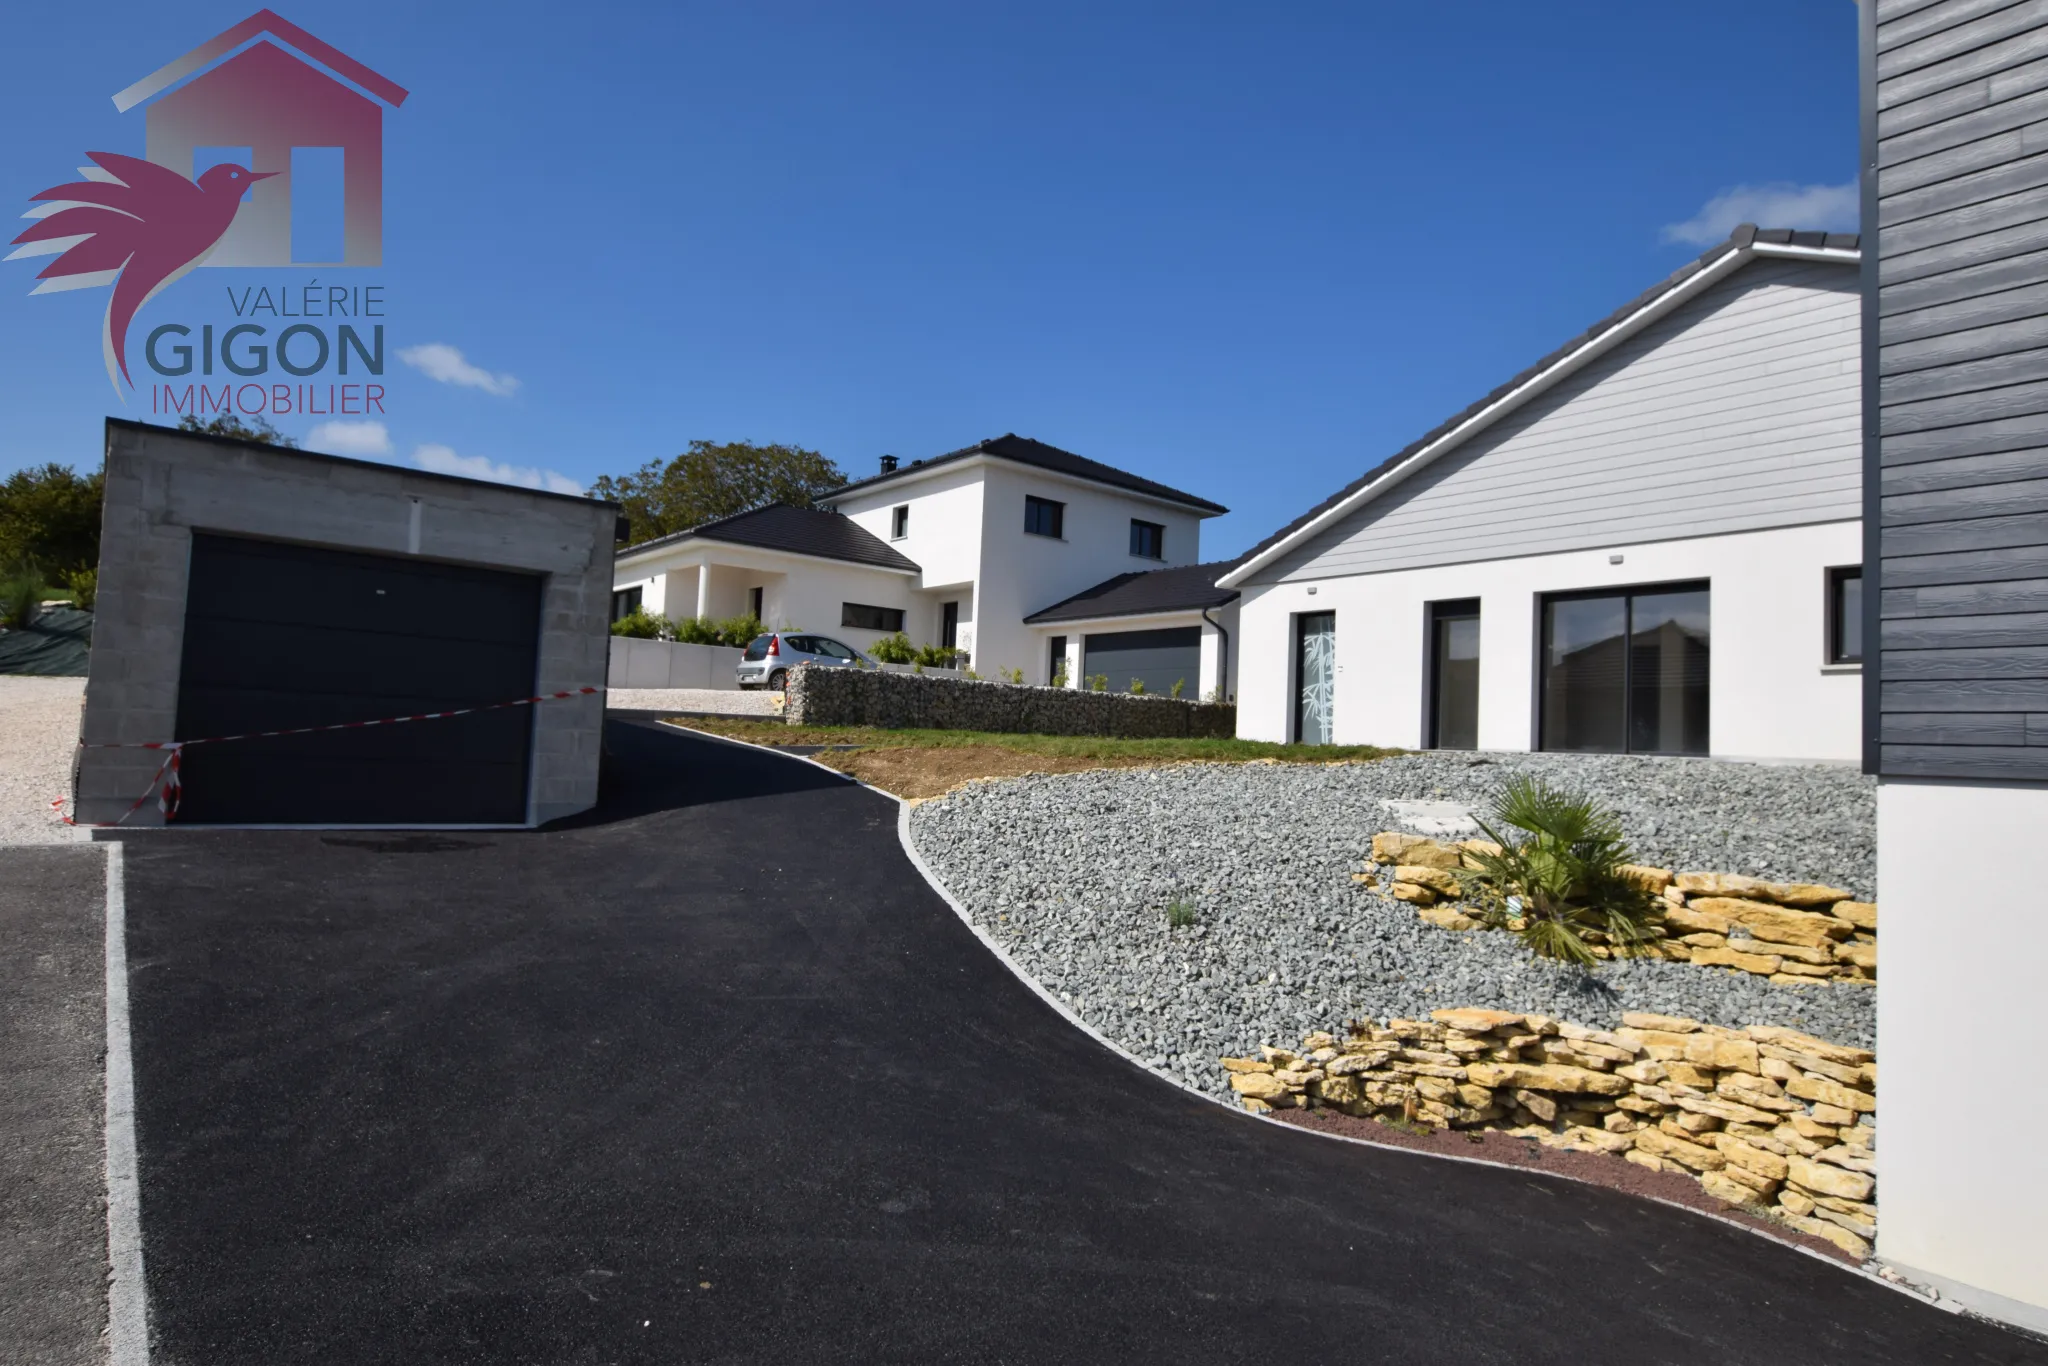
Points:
55	644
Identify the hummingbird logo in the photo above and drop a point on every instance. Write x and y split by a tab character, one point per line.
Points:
132	224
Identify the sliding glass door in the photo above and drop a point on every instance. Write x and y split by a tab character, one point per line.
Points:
1454	675
1626	672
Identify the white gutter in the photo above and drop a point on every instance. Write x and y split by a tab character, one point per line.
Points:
1566	366
902	474
1120	618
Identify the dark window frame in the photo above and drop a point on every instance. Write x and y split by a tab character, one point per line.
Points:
626	601
1038	511
899	521
1628	593
757	601
1436	617
887	620
1056	659
1839	618
1139	535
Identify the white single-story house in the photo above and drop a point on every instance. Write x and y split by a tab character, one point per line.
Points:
1650	541
972	549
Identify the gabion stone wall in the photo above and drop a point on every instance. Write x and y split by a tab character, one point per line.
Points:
899	701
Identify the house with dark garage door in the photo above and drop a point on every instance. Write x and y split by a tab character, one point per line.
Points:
248	588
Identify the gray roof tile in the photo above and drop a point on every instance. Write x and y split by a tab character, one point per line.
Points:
800	531
1185	588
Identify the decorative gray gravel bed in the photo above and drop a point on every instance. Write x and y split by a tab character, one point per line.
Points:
1073	875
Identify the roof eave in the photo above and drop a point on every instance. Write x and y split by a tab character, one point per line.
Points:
1190	610
684	539
1201	507
1709	274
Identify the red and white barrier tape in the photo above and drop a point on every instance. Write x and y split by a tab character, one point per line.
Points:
167	773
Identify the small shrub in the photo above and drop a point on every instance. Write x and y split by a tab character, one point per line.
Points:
21	596
1098	683
737	631
1560	887
641	624
938	656
1179	685
1179	915
895	649
85	587
696	630
1010	675
1059	677
1138	686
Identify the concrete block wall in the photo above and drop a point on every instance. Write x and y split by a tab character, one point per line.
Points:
162	485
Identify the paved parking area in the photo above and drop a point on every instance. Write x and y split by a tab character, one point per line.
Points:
712	1075
53	1233
696	701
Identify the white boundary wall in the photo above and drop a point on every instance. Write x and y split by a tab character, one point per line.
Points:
1964	1200
1772	695
670	664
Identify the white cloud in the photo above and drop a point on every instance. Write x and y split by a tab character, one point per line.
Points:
444	460
1781	204
350	438
439	360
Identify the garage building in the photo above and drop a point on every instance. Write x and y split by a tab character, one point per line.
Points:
245	587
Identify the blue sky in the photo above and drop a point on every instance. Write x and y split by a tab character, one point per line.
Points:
1249	254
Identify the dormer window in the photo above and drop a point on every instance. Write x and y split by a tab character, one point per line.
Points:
1044	517
1148	540
899	522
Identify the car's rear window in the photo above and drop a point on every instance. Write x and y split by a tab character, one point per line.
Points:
757	648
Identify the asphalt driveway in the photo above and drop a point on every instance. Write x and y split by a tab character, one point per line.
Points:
713	1076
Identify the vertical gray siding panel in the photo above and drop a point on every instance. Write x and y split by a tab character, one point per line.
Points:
1956	385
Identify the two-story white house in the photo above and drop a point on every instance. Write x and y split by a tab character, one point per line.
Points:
1650	541
1024	556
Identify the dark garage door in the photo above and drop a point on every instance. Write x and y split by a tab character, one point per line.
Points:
1159	657
278	636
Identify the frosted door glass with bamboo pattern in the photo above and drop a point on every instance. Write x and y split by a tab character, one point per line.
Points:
1315	635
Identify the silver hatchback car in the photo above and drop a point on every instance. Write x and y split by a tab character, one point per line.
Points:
768	658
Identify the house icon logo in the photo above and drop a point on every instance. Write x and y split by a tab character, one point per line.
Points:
271	98
264	147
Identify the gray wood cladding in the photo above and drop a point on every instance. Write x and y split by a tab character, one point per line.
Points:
1956	125
1739	411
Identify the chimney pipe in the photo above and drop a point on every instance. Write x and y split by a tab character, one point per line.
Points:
888	464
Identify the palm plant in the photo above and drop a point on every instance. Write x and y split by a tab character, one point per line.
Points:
1560	887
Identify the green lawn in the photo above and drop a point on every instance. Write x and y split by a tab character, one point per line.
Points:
1063	746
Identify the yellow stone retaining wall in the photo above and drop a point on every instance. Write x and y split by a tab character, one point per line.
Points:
1794	933
1776	1121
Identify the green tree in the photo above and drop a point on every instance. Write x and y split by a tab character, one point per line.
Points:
50	520
231	424
716	479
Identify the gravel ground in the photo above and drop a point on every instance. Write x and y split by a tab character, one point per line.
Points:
716	701
1073	875
38	735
